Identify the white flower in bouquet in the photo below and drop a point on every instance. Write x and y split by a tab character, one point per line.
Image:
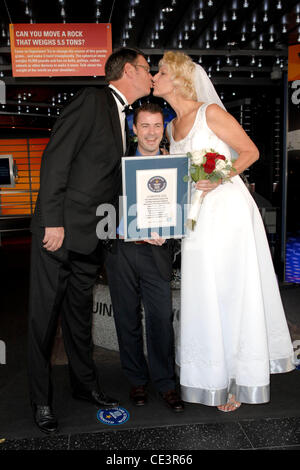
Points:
223	167
197	157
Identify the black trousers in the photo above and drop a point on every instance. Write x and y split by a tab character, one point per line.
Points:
134	277
61	282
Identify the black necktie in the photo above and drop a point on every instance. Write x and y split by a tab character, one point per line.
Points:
127	109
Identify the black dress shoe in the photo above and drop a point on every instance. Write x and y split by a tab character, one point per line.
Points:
97	397
173	400
138	395
45	419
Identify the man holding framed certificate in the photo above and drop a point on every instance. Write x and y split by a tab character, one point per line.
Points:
141	270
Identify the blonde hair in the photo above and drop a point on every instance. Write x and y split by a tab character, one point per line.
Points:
181	68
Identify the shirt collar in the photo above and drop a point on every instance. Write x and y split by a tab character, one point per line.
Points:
138	154
119	93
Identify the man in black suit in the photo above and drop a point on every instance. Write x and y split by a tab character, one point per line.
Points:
142	271
80	170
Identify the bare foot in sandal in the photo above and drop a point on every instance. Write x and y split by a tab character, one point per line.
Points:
231	405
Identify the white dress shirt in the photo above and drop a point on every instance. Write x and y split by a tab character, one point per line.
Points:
122	115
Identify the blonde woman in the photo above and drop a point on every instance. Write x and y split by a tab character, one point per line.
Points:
233	327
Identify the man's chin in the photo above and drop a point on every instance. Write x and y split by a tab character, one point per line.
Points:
148	150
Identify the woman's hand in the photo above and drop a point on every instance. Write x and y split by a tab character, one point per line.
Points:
206	186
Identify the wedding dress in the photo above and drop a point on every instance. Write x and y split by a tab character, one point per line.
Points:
233	330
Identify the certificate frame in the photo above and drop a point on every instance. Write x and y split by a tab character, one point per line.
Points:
132	167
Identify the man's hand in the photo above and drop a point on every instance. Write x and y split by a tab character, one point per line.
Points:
54	237
157	240
164	151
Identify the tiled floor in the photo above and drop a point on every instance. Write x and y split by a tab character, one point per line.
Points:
279	433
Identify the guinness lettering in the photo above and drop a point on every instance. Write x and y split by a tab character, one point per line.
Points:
103	309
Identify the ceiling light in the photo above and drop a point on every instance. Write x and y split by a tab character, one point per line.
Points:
210	3
245	4
279	5
201	16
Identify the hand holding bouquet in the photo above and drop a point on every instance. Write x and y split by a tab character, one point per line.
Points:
205	165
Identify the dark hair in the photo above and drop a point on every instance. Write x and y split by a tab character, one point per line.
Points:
149	108
114	65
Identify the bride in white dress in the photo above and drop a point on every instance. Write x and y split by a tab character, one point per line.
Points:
233	330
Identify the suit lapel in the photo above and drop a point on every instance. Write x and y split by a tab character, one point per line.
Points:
115	120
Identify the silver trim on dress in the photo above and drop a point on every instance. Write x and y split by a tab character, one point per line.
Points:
243	394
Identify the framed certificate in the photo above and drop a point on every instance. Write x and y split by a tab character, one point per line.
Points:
155	196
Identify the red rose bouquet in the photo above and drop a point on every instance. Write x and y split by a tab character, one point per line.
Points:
205	165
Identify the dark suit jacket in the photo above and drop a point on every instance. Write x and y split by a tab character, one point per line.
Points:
81	168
